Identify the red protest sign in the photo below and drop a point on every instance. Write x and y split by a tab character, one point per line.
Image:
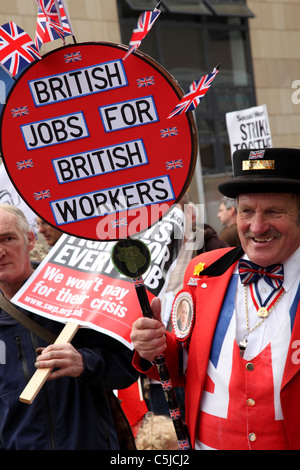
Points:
86	140
77	281
85	297
58	293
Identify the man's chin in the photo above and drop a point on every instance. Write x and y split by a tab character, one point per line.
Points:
262	252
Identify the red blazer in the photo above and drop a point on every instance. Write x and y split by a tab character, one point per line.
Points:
208	303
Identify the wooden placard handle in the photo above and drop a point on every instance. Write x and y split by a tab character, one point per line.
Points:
40	376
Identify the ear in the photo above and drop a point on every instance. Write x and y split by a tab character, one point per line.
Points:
31	240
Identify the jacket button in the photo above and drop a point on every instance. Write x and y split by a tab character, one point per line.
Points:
249	366
250	402
252	437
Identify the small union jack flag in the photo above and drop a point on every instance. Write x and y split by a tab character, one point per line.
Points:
73	57
175	413
167	384
255	155
138	282
17	49
145	22
22	165
52	22
173	164
42	195
184	444
141	82
16	112
169	132
119	223
198	89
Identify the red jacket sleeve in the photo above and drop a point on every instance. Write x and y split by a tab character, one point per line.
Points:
172	356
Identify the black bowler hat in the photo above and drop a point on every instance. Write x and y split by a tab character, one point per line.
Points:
270	170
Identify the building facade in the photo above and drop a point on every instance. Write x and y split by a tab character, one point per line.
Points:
256	42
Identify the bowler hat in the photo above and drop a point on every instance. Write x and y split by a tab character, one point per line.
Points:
270	170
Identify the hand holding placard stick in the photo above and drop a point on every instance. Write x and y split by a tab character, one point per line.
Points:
40	376
132	258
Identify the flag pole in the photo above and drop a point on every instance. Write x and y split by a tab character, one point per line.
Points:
69	21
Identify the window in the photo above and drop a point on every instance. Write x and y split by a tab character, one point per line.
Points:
229	8
189	39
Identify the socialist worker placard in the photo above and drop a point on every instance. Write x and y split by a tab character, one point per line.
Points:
77	281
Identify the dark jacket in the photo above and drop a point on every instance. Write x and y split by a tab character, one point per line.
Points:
68	413
211	241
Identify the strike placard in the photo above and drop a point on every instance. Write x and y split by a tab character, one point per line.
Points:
93	150
249	128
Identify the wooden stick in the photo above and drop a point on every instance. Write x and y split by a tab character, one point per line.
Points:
40	376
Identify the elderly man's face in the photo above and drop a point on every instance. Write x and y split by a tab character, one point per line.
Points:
14	250
268	227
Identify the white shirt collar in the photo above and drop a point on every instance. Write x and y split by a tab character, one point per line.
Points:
291	268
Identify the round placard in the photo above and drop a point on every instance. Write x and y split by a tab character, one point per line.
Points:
86	140
182	315
131	257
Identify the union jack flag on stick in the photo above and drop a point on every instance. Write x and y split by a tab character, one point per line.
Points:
198	89
17	49
145	22
52	22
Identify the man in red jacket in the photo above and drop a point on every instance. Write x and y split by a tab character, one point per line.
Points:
240	359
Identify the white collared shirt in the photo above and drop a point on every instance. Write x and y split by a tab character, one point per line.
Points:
261	336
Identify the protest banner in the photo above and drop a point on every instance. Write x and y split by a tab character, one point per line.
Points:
77	284
249	128
93	148
77	281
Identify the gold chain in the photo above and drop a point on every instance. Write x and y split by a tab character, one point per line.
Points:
263	319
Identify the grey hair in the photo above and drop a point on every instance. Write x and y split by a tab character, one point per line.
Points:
22	222
229	202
